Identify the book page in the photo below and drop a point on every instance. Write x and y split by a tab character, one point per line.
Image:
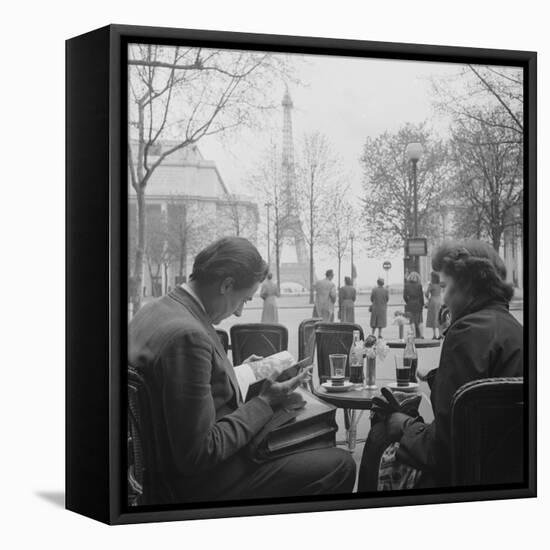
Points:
245	377
274	363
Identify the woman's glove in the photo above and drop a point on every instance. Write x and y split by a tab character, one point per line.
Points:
393	402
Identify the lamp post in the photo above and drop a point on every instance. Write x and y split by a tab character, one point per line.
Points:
352	236
268	205
414	152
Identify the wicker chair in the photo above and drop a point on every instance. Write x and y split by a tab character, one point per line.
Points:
146	483
487	432
257	338
306	337
135	441
333	338
224	339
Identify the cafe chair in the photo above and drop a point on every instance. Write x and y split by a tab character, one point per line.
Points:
145	482
306	337
487	432
257	338
224	339
333	338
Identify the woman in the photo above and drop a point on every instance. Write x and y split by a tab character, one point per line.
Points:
433	294
346	301
414	301
269	294
483	340
379	308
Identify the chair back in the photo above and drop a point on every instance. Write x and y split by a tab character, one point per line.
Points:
306	337
333	338
257	338
487	442
146	483
224	339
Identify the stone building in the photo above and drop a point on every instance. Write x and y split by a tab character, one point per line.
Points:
188	205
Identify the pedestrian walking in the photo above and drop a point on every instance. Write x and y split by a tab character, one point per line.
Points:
413	295
379	298
433	294
269	294
325	297
346	302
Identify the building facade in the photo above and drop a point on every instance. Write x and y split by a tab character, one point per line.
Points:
188	205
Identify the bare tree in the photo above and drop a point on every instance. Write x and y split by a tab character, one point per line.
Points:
266	182
340	224
489	163
241	216
319	171
474	91
388	187
184	94
190	228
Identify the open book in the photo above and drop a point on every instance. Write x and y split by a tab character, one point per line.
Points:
251	376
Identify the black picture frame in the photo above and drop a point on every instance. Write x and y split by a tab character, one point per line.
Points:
96	295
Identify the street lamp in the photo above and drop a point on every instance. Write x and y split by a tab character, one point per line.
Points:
414	152
352	236
268	205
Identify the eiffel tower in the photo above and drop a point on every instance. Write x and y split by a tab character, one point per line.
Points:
293	235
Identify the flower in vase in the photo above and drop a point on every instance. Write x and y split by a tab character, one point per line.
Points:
382	349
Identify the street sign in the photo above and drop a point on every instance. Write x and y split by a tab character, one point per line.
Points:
417	246
386	266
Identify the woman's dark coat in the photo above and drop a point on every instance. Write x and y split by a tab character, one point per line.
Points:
414	301
487	341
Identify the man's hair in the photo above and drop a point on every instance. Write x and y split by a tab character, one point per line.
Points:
434	278
233	257
347	281
329	273
476	268
380	281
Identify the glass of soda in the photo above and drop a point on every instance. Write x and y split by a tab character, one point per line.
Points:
402	371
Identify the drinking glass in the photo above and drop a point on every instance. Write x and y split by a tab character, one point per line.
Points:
337	368
402	371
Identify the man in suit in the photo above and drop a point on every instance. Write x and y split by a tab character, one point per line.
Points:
325	297
201	427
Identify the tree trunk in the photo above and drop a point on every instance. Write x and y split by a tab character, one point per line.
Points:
165	278
496	235
277	254
140	247
311	274
339	271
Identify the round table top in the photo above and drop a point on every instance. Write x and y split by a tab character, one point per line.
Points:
418	342
355	398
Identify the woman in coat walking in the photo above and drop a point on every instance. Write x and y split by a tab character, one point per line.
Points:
269	294
433	294
484	340
379	308
346	302
413	294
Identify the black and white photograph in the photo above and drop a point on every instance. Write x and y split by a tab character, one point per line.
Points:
326	275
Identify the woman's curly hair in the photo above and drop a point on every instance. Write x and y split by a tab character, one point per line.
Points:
476	268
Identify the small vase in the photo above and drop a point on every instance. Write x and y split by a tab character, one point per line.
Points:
370	373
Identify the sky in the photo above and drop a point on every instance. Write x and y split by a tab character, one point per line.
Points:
347	99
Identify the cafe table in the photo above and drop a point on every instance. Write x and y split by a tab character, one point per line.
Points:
419	343
354	402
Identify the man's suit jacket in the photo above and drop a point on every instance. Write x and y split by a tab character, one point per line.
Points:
325	296
201	426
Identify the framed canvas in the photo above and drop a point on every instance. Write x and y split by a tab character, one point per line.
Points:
301	274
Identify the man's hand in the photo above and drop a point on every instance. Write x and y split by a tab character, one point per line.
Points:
275	393
252	358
